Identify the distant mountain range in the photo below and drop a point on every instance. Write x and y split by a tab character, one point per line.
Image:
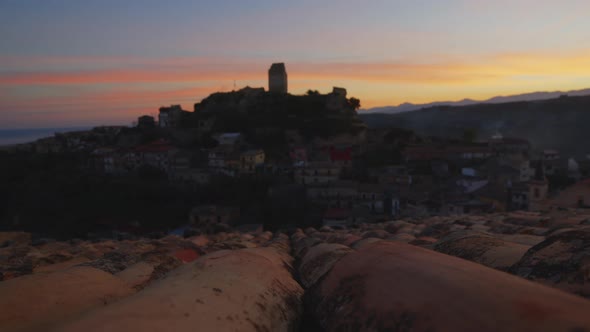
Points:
407	107
558	123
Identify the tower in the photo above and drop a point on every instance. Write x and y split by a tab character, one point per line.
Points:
538	188
277	78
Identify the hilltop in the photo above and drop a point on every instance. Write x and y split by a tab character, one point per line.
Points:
312	114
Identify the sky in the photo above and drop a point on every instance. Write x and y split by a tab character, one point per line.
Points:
94	62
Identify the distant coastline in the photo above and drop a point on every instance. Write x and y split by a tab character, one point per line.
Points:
27	135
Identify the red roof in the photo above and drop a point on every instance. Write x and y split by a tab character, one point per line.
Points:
186	255
343	154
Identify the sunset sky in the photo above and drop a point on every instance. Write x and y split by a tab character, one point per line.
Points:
91	62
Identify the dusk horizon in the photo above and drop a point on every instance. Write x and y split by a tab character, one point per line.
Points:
65	63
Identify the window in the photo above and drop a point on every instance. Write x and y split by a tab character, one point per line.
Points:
537	193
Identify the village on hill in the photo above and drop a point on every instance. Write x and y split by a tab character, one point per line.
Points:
258	157
266	211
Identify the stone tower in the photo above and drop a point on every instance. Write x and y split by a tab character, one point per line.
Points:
277	78
538	188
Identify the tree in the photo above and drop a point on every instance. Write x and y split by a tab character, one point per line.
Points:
355	103
312	92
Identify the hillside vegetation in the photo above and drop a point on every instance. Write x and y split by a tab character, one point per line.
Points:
561	123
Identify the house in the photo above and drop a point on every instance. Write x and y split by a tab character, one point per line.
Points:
217	156
519	197
105	160
146	122
538	189
250	160
229	139
337	194
550	155
337	217
422	153
573	169
505	146
77	140
181	160
169	117
224	160
277	167
207	217
469	184
48	145
317	172
469	171
499	171
180	165
298	155
157	154
568	167
372	196
519	162
341	156
232	164
397	174
530	195
473	152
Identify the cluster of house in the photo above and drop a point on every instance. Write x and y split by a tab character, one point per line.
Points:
73	141
498	175
435	178
326	171
231	157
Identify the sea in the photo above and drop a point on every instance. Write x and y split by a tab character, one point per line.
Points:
19	136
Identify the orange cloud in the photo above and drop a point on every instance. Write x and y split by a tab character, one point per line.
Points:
468	71
376	83
115	99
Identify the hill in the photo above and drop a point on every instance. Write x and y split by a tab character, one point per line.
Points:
252	109
532	96
561	123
